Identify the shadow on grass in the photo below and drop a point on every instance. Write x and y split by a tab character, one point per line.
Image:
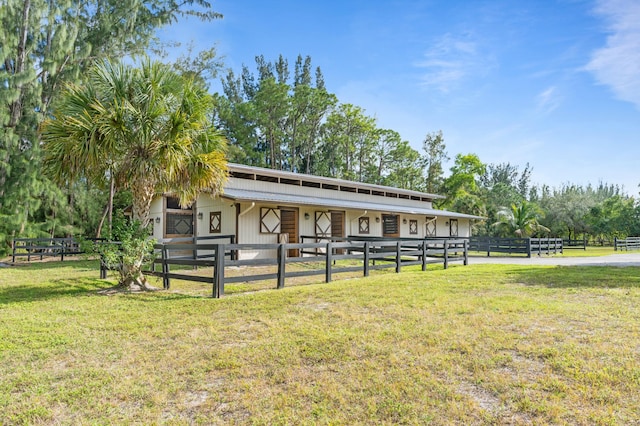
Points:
81	287
91	264
579	277
50	290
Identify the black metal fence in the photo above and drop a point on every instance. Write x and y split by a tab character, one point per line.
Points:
371	254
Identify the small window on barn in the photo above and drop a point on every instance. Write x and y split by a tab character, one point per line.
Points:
241	175
179	224
215	222
453	227
413	227
174	203
363	225
290	181
266	178
269	220
310	184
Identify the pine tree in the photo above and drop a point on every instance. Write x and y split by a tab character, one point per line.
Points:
43	45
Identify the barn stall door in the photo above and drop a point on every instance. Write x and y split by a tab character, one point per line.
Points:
390	225
289	226
337	226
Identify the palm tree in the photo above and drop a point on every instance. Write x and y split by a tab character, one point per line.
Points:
147	128
520	220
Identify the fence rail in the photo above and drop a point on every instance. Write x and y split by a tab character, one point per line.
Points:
527	246
629	243
44	247
376	254
574	244
546	245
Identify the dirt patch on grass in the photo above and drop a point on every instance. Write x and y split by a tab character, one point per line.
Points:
485	399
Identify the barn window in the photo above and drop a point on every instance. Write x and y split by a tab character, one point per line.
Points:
178	220
413	227
453	227
174	203
215	222
179	224
363	225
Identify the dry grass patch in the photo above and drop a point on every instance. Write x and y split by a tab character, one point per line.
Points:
471	345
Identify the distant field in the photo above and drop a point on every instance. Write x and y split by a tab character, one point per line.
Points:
483	344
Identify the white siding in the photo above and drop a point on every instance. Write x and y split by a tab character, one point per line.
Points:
156	211
249	231
206	205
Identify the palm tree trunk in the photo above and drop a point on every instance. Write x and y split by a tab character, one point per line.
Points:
143	193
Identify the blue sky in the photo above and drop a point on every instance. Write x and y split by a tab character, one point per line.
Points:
552	83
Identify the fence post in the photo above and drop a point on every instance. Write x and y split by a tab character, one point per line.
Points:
13	256
398	256
281	264
165	267
234	253
329	254
195	251
218	271
466	252
446	253
366	258
103	268
424	255
615	243
528	247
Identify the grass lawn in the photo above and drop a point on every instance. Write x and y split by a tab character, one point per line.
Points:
593	251
482	344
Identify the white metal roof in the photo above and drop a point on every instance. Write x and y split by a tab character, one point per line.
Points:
271	197
233	167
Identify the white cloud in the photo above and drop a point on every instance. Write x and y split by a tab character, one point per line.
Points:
449	62
617	65
548	100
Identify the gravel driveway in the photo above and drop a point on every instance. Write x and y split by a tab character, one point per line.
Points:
626	259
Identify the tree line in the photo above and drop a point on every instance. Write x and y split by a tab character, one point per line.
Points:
291	122
272	115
